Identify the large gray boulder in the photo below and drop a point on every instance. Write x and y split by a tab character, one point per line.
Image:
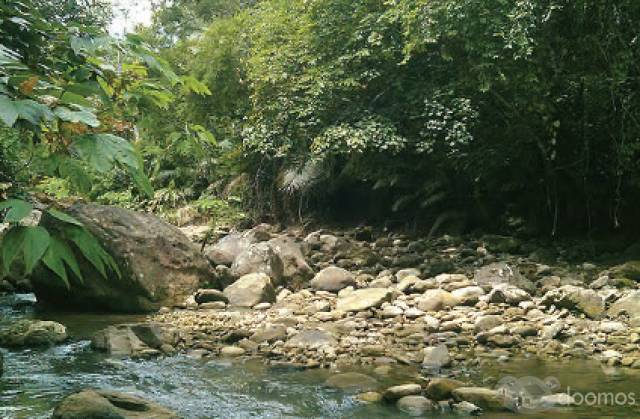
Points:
502	273
136	340
295	267
583	300
159	265
250	290
258	258
103	404
225	251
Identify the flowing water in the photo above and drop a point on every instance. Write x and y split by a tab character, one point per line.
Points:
35	380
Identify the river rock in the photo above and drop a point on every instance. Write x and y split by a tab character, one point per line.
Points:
232	351
332	279
468	295
210	296
295	266
352	382
259	258
485	398
159	265
441	388
486	323
225	251
396	392
571	297
629	304
136	339
32	333
415	405
507	293
502	273
466	409
436	357
250	290
436	300
94	404
363	299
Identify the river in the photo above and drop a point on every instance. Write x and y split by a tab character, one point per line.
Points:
35	380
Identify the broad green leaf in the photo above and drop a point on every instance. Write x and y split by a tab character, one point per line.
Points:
70	98
64	252
58	257
53	262
8	111
82	115
32	111
18	209
61	216
102	151
91	249
12	244
36	242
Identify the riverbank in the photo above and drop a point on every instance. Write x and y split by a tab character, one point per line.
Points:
358	306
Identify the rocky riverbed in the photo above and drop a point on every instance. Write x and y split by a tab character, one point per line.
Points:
362	303
444	307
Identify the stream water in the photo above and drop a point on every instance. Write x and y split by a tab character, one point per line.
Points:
34	381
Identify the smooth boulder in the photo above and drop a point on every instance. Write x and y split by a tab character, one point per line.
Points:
159	266
225	251
103	404
332	279
258	258
250	290
295	266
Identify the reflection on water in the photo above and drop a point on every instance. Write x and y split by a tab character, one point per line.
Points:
35	380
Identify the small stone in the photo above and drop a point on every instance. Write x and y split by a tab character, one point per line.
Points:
232	351
436	357
467	409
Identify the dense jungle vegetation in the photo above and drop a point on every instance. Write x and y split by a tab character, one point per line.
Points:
433	114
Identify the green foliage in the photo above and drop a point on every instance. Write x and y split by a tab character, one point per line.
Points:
531	102
51	243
